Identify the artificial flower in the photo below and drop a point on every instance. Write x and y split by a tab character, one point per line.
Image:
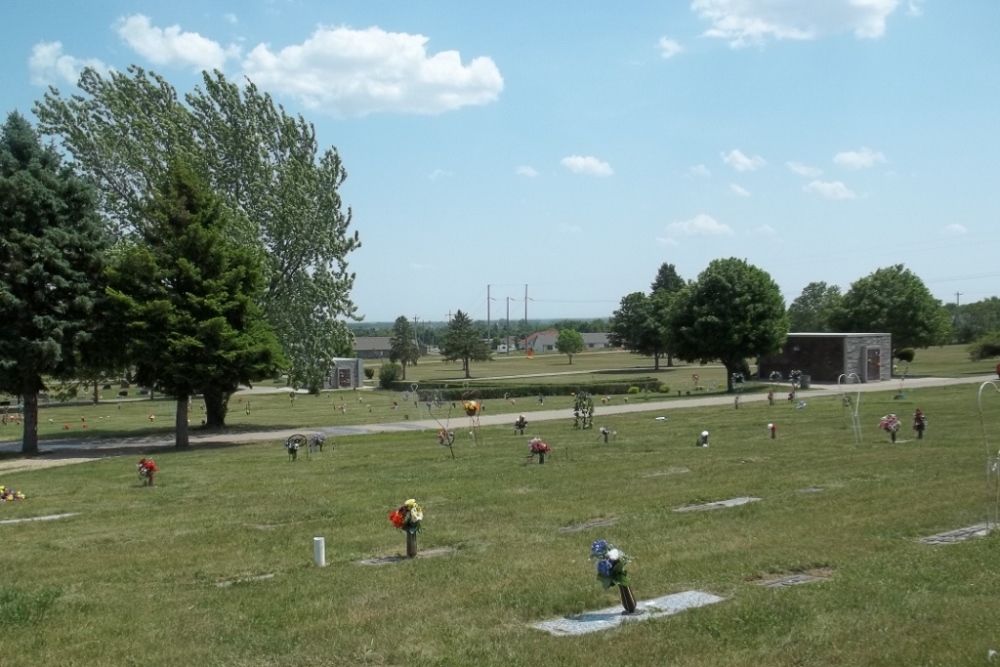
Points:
610	564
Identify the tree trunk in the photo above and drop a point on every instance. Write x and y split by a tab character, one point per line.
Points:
570	359
97	393
465	367
670	360
729	377
656	361
29	442
216	406
181	423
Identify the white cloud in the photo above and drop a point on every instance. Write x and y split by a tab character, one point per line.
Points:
667	241
356	72
48	65
669	48
743	22
525	170
803	169
171	46
954	229
738	190
914	8
230	18
765	230
700	225
862	159
699	170
438	173
830	189
567	228
740	162
587	165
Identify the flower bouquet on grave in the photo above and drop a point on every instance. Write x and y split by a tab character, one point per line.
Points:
611	572
538	448
9	495
890	423
147	469
407	517
919	423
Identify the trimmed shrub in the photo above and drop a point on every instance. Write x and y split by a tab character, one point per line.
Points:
986	347
369	373
906	354
389	374
633	390
664	388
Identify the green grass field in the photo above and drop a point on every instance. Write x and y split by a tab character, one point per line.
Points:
134	577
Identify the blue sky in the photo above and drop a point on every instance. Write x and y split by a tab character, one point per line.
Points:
574	148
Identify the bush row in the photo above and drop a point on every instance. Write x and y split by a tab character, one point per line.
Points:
450	392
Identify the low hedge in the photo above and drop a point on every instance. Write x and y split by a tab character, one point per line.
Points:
450	392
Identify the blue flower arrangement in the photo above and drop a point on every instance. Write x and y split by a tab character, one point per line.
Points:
610	564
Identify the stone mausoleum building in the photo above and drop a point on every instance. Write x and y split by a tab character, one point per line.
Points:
824	357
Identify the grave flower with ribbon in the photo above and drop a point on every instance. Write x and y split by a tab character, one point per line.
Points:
919	423
407	517
538	448
611	572
890	423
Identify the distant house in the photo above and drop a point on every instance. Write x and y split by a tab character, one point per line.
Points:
545	341
372	347
824	357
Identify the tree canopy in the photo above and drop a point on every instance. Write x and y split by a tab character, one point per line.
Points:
186	292
52	245
733	311
463	343
667	279
569	342
281	191
894	300
640	325
812	310
403	346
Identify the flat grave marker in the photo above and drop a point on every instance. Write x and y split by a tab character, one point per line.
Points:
959	535
601	523
611	617
389	560
732	502
49	517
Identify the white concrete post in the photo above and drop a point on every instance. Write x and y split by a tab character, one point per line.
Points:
319	551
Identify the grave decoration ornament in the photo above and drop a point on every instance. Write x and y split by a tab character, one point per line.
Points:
611	572
583	410
890	423
9	495
773	428
605	432
147	470
702	439
919	423
407	517
521	424
538	448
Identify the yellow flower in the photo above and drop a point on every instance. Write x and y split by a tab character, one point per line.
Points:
410	503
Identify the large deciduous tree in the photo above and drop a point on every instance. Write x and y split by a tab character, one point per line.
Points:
281	190
462	342
812	310
640	325
569	342
733	311
402	344
52	245
894	300
187	293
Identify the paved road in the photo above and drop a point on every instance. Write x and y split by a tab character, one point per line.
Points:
487	420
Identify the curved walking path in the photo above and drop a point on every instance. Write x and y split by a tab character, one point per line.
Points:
86	450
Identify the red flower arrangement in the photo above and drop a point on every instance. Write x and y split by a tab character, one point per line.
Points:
147	468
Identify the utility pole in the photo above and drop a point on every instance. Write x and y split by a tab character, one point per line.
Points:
525	306
416	338
449	317
958	296
489	331
508	326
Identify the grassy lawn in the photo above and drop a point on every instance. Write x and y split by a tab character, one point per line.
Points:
133	578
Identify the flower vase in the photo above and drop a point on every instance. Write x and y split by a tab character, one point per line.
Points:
541	457
411	544
628	600
893	434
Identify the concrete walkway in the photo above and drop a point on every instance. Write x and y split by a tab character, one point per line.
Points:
505	419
